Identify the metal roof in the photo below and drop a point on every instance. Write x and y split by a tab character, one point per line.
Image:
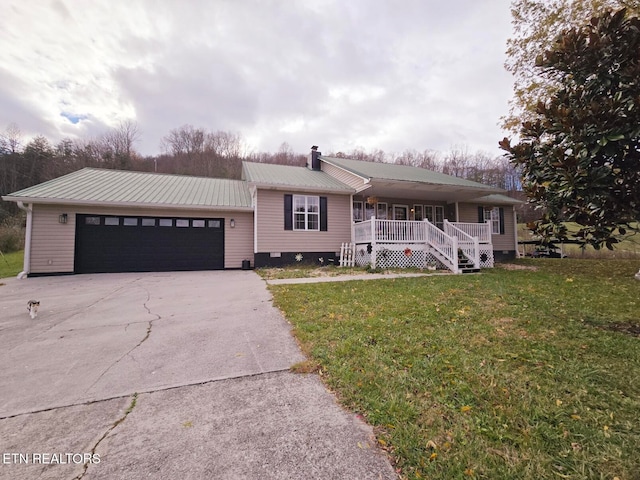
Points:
268	175
388	171
498	199
93	186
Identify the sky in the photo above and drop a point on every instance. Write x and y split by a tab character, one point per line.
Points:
393	75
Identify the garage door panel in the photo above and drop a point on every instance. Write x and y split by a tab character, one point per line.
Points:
144	245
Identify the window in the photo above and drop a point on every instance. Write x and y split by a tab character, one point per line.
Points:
306	212
439	220
111	221
435	214
166	222
357	212
214	223
382	211
492	215
197	223
182	222
148	222
130	222
428	213
417	213
369	211
92	221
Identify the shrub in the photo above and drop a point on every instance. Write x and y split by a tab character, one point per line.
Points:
12	234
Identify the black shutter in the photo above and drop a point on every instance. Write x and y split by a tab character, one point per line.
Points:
323	214
501	210
480	214
288	212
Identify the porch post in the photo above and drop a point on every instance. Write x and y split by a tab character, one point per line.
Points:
456	268
373	242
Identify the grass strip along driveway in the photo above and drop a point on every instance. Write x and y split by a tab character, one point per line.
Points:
527	372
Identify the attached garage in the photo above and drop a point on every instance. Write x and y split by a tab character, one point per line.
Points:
145	244
95	221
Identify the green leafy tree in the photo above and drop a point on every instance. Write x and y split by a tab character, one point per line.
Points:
536	23
580	155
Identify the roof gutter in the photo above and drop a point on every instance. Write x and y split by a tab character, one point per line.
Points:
27	241
96	203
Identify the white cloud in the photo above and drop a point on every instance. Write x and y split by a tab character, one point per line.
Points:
372	73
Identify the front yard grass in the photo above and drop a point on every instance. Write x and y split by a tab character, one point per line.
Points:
11	264
531	372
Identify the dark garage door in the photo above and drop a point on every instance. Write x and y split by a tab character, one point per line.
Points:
106	243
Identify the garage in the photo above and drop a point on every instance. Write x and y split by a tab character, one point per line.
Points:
122	243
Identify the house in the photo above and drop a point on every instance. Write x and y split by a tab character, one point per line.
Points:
96	220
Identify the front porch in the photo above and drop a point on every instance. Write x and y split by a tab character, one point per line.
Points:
458	247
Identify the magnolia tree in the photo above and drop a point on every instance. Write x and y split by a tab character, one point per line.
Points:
580	154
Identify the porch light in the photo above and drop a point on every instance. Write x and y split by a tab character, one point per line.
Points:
232	223
372	200
63	218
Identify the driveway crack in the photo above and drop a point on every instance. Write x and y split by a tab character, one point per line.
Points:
85	467
144	339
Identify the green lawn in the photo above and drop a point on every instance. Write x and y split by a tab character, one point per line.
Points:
629	247
11	264
513	373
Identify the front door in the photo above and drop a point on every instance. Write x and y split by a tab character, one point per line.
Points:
400	212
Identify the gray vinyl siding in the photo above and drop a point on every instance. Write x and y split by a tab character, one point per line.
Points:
53	243
468	212
273	238
348	178
238	241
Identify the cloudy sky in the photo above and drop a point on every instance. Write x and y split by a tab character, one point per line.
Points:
341	74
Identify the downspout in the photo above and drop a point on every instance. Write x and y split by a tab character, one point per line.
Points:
353	225
515	230
27	241
254	204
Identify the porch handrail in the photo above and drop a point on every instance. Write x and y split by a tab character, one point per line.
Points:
445	246
469	245
362	231
399	231
480	230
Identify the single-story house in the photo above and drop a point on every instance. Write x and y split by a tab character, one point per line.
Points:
98	220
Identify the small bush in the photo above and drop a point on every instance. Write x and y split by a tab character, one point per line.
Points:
11	235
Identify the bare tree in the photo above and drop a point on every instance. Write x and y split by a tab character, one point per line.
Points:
11	140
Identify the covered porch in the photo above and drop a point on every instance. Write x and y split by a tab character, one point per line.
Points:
457	246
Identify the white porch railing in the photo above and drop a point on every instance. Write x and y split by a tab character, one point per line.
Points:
480	230
443	246
469	245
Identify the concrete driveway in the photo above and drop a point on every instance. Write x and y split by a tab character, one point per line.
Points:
165	375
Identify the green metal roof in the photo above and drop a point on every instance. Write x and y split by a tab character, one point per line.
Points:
270	175
389	171
498	199
92	186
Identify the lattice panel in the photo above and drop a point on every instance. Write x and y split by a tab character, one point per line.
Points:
395	256
362	257
400	257
486	257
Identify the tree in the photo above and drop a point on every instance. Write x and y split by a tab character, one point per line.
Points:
11	139
117	144
536	23
580	157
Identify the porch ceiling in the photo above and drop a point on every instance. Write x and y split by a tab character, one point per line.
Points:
422	191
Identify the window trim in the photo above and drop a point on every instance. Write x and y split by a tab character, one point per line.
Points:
358	206
495	217
309	217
